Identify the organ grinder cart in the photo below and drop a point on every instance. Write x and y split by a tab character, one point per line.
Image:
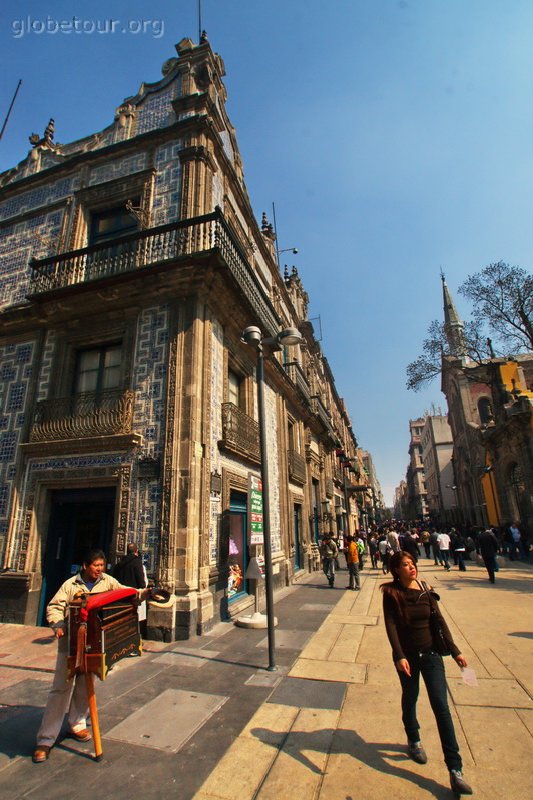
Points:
103	628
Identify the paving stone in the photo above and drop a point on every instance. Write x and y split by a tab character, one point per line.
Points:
192	659
317	607
304	693
492	693
288	640
169	720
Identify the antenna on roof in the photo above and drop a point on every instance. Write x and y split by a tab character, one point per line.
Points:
10	107
199	21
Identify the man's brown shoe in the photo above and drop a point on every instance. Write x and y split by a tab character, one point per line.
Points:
81	736
40	754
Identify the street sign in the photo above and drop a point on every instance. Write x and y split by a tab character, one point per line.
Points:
256	510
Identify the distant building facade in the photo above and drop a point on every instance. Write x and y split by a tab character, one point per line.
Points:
437	452
417	505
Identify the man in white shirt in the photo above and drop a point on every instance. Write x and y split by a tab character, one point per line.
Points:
444	547
393	540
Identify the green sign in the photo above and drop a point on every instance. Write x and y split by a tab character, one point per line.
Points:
256	510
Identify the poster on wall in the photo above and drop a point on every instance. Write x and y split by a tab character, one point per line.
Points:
256	510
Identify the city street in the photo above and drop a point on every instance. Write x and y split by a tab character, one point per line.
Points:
203	719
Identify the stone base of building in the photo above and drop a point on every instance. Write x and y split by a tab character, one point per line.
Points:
19	598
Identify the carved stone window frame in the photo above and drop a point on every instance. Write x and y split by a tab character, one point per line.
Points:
232	363
101	333
109	195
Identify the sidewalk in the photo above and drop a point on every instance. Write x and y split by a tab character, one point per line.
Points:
205	720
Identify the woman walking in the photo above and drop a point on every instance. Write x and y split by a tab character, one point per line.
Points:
407	607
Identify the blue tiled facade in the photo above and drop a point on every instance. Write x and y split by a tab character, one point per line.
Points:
151	355
16	370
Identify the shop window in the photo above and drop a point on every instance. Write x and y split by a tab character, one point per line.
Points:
238	545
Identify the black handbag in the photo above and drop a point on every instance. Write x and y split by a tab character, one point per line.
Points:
440	644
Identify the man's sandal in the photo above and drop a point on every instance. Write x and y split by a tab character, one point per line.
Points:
40	754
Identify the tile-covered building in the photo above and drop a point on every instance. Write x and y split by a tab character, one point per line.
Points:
130	263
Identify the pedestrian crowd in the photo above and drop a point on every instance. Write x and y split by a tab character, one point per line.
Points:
449	546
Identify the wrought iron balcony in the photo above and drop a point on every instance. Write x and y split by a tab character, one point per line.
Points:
297	376
297	467
153	247
240	433
318	408
79	416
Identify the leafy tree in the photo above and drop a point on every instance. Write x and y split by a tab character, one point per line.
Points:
502	300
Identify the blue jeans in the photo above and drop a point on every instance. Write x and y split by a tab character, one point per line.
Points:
461	559
445	558
431	667
329	569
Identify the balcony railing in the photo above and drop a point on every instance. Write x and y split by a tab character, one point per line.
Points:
240	433
318	408
297	376
88	414
297	467
155	246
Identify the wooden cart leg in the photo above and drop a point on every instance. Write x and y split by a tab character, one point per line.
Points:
91	697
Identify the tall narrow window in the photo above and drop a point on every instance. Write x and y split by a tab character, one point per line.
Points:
234	389
98	369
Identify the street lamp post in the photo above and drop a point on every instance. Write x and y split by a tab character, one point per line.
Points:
252	336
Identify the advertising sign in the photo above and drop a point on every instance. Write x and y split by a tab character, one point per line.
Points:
256	510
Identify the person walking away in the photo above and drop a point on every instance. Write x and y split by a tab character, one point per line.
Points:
329	552
393	540
444	547
489	547
353	558
71	695
459	549
515	541
373	548
410	545
434	539
424	538
407	607
361	544
130	572
383	548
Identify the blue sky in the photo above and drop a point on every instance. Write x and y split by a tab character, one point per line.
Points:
393	136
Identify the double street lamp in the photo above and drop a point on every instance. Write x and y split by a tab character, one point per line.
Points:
252	336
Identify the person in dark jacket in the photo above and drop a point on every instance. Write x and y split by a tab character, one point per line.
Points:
410	545
129	570
488	547
407	608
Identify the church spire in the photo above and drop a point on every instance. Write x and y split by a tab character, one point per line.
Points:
453	324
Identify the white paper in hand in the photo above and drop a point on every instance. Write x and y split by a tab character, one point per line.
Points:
469	676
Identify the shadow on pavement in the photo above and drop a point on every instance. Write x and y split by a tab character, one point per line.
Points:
376	755
18	729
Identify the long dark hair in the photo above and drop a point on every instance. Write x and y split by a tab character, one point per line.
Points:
394	588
